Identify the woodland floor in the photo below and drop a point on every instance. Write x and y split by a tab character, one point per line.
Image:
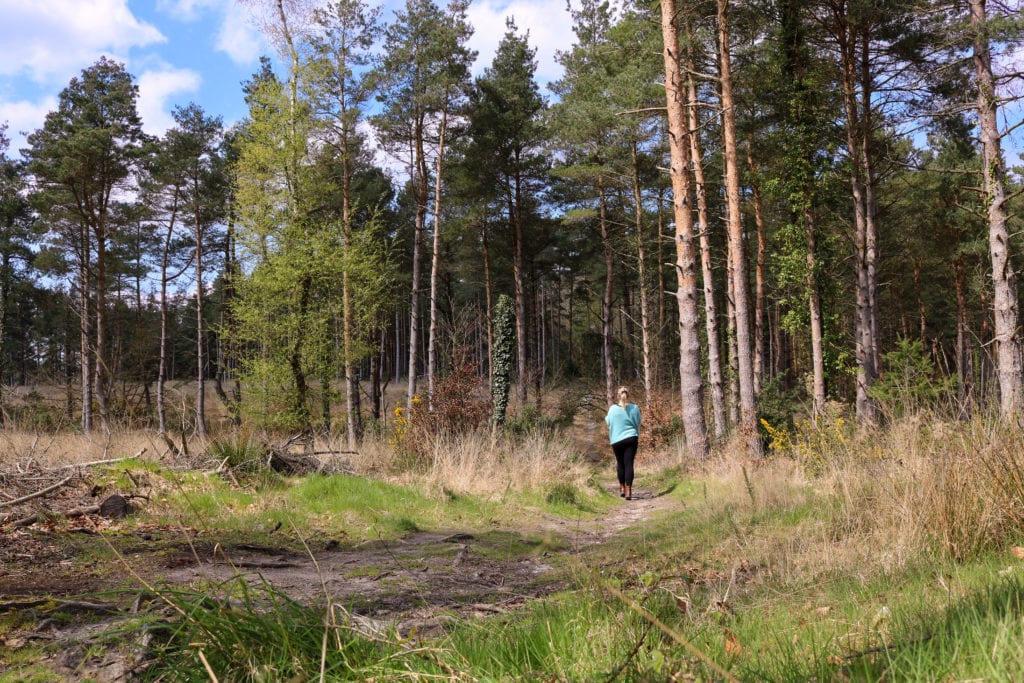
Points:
418	582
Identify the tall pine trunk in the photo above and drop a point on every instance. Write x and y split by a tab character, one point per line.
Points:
100	371
606	299
714	347
420	176
867	371
641	266
691	383
200	345
737	255
1004	285
759	265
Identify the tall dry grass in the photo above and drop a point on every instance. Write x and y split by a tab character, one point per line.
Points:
876	501
477	463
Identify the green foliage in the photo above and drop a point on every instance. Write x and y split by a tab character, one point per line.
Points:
239	452
501	357
910	381
563	494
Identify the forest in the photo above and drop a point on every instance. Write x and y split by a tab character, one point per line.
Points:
792	228
832	219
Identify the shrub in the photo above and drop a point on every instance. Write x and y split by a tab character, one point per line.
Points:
910	381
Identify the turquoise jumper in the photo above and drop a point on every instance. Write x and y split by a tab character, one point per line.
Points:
622	422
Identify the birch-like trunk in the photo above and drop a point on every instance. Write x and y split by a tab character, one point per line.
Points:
1004	286
737	255
435	265
691	383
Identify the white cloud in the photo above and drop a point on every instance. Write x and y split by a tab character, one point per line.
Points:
24	117
185	10
156	88
50	39
548	22
238	38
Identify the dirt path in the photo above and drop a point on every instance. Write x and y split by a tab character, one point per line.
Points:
423	579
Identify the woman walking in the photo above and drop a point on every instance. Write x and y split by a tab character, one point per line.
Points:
623	420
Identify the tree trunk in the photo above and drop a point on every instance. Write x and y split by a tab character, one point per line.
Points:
200	341
759	265
100	371
300	404
606	299
714	347
964	355
1004	286
488	303
691	385
516	216
435	266
641	266
420	179
818	394
867	372
737	255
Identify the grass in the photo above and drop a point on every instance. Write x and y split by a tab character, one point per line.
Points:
841	556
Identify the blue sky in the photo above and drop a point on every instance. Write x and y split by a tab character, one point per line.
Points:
189	50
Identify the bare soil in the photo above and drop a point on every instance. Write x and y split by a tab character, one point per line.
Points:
421	581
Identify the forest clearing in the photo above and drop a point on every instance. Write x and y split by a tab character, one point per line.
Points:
330	390
887	556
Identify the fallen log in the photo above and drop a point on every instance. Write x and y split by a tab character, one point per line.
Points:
37	494
40	516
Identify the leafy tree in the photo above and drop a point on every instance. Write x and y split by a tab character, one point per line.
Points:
81	158
197	139
16	224
504	123
339	96
417	76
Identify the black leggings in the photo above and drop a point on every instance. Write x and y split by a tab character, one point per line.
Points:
625	452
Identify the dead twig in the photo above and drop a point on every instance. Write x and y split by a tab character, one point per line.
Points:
39	516
37	494
93	463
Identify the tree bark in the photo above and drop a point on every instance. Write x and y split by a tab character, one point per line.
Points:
737	255
435	265
964	355
1004	282
691	383
200	345
100	371
420	180
867	371
759	265
641	266
606	299
714	347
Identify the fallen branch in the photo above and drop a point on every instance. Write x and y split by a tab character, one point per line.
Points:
93	463
58	605
41	492
39	516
